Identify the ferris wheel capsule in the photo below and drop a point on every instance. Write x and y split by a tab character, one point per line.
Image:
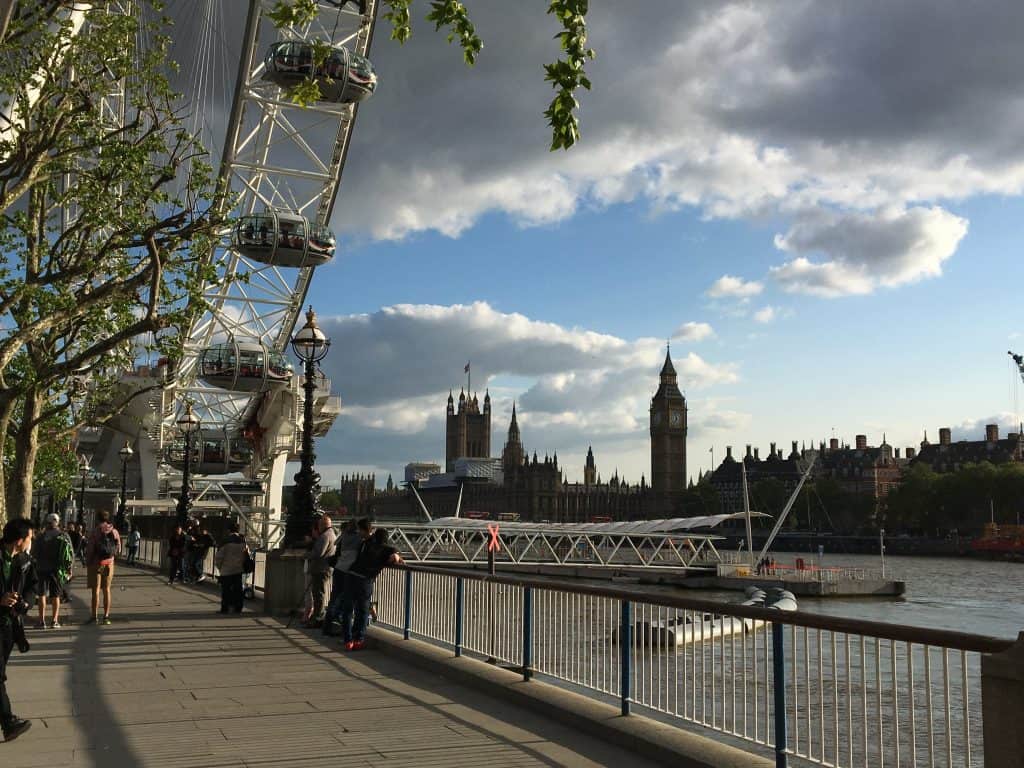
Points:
214	452
244	366
283	239
344	77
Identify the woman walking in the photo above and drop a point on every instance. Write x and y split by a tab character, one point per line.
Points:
230	560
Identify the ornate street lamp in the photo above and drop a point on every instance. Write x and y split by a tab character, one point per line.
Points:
310	345
122	510
188	424
83	467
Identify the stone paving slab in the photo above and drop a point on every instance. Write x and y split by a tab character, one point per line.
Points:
171	683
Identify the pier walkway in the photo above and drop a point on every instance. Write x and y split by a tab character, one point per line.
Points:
173	683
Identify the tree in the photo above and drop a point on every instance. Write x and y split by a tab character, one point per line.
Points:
107	219
566	75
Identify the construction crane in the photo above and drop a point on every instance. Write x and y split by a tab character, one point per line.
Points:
1019	360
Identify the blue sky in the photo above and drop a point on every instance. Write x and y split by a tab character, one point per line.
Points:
862	186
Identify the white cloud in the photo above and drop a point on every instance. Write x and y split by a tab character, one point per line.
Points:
888	248
775	109
576	386
728	286
765	314
693	331
974	429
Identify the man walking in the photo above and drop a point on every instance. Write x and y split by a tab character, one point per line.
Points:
319	567
134	542
374	555
17	585
54	557
104	545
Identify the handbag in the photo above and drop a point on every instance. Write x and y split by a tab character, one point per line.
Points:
249	566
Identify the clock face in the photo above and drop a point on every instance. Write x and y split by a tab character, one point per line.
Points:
676	418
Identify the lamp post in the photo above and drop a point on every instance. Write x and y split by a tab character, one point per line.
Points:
189	425
310	345
122	510
83	467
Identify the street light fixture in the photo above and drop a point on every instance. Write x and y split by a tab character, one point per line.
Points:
122	510
310	345
188	424
83	467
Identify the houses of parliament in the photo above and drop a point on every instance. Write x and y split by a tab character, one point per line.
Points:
528	487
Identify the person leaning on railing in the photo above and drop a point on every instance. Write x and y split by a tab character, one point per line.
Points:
374	556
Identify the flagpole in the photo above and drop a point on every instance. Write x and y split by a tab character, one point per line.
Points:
469	380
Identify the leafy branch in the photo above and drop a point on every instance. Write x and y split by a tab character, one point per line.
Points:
452	14
567	74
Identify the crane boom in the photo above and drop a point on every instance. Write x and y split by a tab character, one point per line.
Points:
1019	360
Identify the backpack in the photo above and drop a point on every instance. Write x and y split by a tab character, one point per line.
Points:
65	556
105	547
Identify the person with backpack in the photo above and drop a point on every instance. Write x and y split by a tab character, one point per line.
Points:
54	557
134	542
232	560
375	554
103	546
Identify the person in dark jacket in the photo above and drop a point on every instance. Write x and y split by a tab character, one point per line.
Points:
374	555
17	592
230	561
175	553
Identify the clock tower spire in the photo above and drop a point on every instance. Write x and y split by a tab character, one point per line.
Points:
668	432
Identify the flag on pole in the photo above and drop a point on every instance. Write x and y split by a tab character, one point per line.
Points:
466	369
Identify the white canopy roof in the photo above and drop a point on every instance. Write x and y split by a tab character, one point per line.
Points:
631	527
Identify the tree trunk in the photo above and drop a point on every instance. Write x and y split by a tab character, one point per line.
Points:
19	489
7	403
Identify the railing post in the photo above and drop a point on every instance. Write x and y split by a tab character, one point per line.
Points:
527	633
460	603
626	655
779	692
1002	696
408	605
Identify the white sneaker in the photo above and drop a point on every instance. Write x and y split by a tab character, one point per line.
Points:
55	625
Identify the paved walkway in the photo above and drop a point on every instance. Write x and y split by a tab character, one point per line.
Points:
173	683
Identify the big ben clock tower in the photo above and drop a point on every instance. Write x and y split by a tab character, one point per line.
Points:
668	433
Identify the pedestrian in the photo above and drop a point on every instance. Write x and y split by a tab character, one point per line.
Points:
54	557
319	568
231	559
345	552
75	537
374	555
17	588
103	546
176	546
200	547
134	542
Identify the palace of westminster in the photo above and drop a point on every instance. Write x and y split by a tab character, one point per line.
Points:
524	487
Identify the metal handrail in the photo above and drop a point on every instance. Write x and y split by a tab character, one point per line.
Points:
962	641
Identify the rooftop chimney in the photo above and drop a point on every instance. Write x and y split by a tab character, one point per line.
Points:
992	432
756	457
728	451
748	451
773	450
862	442
945	436
911	452
897	453
833	444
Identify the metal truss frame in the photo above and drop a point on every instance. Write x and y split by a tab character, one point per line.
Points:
277	155
430	543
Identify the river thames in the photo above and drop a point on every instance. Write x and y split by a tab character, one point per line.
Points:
964	594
